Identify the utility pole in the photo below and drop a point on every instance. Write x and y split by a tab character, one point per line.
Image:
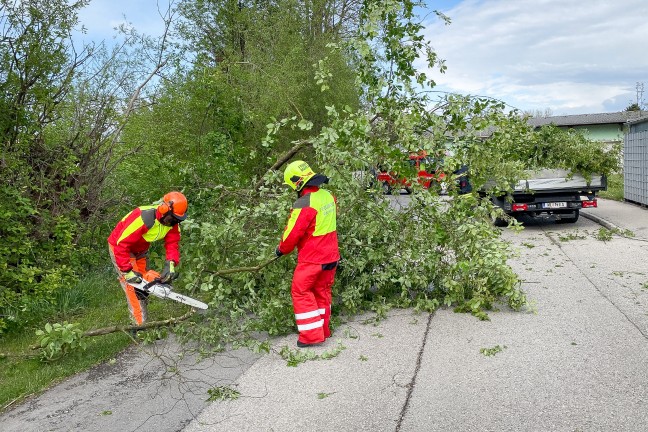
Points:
640	90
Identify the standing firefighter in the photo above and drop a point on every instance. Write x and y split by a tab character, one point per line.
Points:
129	244
312	229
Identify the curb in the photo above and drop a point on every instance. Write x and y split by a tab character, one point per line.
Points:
599	220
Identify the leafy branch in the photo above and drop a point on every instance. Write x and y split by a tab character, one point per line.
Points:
56	340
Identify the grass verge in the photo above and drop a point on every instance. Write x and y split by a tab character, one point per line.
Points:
96	301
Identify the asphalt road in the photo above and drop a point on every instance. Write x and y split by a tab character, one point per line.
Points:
577	362
146	388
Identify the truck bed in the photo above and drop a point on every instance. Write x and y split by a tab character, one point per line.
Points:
559	180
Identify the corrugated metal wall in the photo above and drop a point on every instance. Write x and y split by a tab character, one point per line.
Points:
635	167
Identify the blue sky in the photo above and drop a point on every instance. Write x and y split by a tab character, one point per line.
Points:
102	16
566	56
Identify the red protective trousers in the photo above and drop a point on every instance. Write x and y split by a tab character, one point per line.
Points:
137	305
311	295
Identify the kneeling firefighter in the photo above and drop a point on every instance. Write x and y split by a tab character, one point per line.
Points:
312	229
129	244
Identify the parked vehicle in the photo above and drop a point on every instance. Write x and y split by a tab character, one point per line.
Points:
461	179
428	174
551	192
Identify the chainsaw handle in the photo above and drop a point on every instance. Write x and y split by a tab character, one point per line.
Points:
158	281
150	284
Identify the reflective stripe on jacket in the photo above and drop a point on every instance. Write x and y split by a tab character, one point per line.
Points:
312	228
137	230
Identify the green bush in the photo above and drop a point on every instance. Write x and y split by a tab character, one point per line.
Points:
35	256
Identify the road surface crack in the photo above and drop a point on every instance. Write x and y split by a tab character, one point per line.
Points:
410	386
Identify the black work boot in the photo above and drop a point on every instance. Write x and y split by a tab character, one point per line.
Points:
301	344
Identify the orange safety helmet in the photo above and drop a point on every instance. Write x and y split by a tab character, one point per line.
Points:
176	203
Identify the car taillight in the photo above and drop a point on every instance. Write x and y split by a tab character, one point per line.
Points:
520	207
590	204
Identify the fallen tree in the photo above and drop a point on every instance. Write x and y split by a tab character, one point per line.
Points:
434	252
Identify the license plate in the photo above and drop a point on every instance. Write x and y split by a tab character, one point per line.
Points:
554	205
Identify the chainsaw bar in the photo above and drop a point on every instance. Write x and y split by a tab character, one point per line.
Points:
164	291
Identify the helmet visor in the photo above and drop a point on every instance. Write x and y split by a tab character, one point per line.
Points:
170	219
178	217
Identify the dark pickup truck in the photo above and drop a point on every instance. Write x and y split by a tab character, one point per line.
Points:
551	192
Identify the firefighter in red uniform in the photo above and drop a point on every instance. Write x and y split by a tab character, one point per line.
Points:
312	229
129	244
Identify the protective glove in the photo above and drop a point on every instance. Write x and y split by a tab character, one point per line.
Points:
278	252
133	277
168	274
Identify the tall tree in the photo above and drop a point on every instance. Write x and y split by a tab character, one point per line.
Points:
250	62
633	107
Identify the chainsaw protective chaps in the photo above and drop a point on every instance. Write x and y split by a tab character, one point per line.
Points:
137	304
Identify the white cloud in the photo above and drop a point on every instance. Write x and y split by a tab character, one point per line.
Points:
571	56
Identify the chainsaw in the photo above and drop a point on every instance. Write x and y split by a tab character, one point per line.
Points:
165	291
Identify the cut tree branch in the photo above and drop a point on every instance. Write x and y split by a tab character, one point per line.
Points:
125	328
241	269
145	326
283	159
